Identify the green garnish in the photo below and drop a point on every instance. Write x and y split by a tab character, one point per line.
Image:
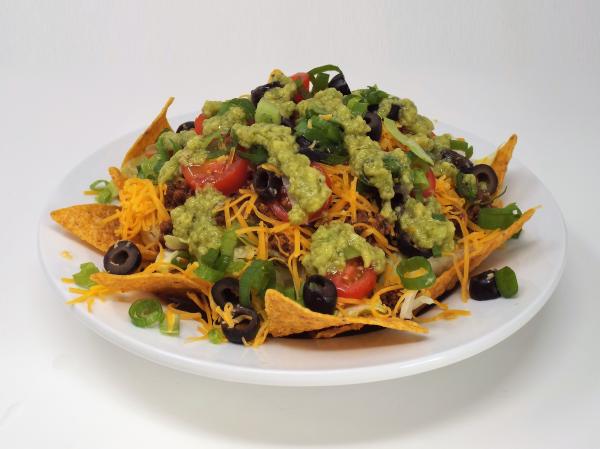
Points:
257	154
506	281
413	146
82	279
320	78
465	188
258	277
106	191
209	274
461	145
146	312
215	336
498	218
408	267
228	244
170	327
243	103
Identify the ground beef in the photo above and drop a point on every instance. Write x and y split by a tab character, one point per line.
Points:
286	244
390	299
176	194
220	218
377	221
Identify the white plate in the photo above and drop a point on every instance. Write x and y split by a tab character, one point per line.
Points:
537	257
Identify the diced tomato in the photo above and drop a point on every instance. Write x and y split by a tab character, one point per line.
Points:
225	177
199	123
429	190
305	83
282	205
355	281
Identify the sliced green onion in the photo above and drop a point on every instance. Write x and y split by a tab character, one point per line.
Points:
170	324
146	312
436	251
419	179
82	279
210	257
209	274
461	145
324	68
267	112
181	259
216	153
438	217
215	336
257	154
258	277
407	267
228	244
98	184
498	218
235	266
506	281
413	146
320	82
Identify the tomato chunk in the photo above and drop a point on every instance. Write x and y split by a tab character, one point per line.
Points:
304	79
429	190
355	281
199	124
223	176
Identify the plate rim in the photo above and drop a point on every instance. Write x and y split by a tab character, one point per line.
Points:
296	377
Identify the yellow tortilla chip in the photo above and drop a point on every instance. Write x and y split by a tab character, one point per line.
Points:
335	331
85	221
148	137
151	282
502	158
287	317
448	278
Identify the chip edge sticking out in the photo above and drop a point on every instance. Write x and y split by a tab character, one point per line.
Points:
287	317
150	135
503	157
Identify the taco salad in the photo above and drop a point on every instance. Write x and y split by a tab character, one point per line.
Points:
302	208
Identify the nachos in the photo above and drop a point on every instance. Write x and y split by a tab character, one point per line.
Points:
304	207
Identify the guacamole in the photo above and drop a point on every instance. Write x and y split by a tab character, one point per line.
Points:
334	243
194	222
307	187
194	152
223	122
425	224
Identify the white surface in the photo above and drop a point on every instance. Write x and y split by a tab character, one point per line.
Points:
343	361
73	76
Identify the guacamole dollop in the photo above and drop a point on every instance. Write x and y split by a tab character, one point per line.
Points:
418	222
194	221
307	187
334	243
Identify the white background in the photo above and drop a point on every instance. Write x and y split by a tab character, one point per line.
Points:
74	76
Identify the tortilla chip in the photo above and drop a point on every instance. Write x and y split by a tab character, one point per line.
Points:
448	278
85	222
151	282
287	317
148	137
117	177
502	158
335	331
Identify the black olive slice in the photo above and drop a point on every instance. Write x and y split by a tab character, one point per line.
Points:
226	290
482	287
374	122
267	184
244	330
486	174
320	294
338	82
186	126
258	93
458	160
394	113
124	257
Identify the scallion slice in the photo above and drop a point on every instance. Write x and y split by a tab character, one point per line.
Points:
146	312
413	146
506	281
416	273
